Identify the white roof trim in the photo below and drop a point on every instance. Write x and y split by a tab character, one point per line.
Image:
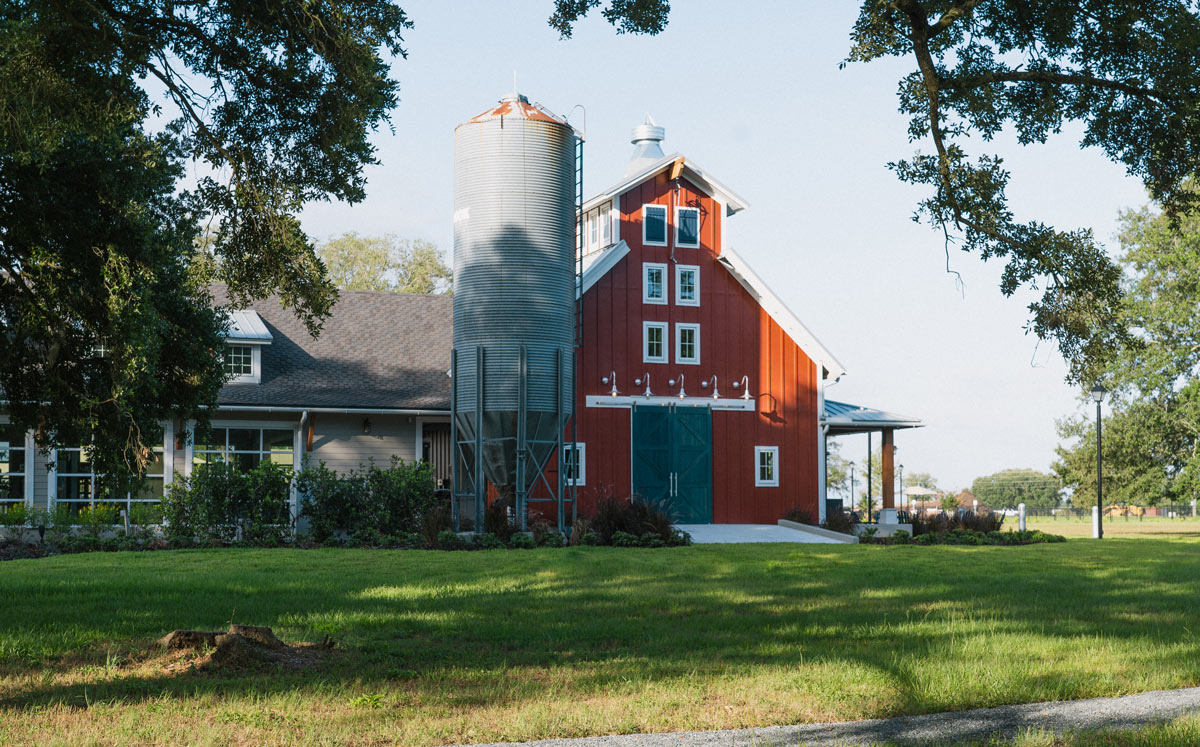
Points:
247	328
695	174
597	264
779	311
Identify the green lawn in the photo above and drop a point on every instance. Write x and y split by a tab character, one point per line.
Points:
505	645
1114	527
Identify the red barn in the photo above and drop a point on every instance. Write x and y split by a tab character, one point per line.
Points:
697	388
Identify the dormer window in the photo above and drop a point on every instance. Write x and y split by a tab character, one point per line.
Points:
239	362
243	347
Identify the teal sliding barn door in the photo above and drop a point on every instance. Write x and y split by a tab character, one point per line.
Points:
672	460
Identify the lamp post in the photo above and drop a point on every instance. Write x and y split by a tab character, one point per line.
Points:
851	485
1098	393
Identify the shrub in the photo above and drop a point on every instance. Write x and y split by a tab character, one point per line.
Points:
495	520
448	539
634	517
218	500
581	527
393	500
901	537
840	521
553	538
800	516
679	538
521	541
589	538
487	541
624	539
981	521
650	539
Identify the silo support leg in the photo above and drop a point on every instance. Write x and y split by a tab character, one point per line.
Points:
522	492
480	484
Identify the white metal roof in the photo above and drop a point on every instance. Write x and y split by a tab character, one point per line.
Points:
693	173
597	264
246	327
779	311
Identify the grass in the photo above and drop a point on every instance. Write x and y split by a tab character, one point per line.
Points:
441	648
1183	732
1155	526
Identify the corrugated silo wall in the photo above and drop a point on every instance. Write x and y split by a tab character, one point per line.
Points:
514	279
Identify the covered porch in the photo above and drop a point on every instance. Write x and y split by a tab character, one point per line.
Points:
844	419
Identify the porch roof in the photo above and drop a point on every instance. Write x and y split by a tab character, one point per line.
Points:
844	418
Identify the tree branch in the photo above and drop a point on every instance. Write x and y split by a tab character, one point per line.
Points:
1048	76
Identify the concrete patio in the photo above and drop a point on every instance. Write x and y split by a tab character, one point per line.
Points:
710	534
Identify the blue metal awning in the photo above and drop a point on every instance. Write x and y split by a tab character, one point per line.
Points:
844	418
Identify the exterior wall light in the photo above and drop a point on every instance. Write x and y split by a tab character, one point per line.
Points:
671	382
366	425
638	382
611	378
704	385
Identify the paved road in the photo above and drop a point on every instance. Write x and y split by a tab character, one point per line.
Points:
950	728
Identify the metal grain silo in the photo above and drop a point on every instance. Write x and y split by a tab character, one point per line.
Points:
515	186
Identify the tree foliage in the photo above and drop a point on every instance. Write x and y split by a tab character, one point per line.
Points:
385	263
1007	488
269	102
1151	429
1127	70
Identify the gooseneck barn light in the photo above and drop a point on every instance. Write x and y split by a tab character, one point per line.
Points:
611	378
645	378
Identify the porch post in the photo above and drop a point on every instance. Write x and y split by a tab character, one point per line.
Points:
887	457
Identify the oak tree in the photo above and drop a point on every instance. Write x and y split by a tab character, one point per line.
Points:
126	125
1127	70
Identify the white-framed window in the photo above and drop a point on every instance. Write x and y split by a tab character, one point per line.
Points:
239	361
605	226
687	227
14	467
654	225
687	285
575	463
244	447
75	484
654	283
593	230
687	343
766	466
654	342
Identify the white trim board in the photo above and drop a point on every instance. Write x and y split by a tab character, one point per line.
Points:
736	404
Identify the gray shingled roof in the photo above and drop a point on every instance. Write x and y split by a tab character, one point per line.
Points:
377	351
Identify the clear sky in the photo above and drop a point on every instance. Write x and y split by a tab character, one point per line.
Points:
753	93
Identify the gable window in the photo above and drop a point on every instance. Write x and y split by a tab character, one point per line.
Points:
76	485
243	447
239	361
687	285
575	463
654	225
13	474
687	227
687	343
766	466
593	228
605	226
654	342
654	283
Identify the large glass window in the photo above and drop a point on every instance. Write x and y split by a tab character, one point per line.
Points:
239	361
654	342
12	465
654	283
243	447
76	484
687	285
687	227
654	225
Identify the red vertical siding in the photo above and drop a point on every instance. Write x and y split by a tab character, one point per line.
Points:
737	338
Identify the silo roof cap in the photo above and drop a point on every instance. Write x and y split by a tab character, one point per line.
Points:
517	105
